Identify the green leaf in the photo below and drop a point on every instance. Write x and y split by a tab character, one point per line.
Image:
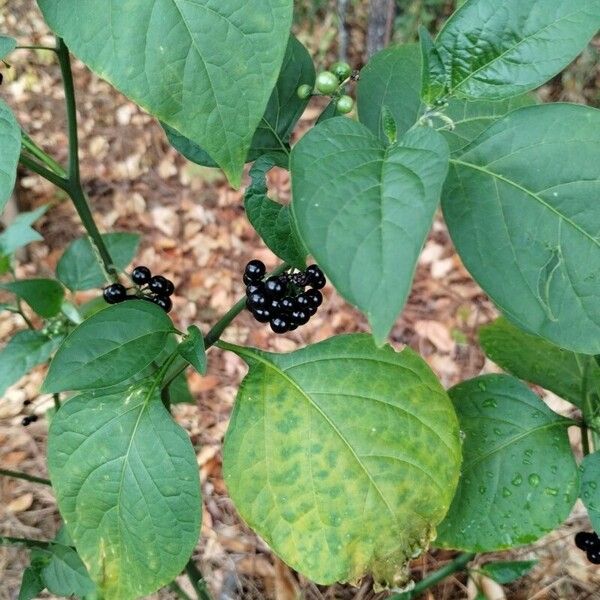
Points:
192	349
31	584
20	233
7	45
206	70
434	72
64	574
179	391
271	220
494	52
359	206
45	296
392	78
473	117
343	456
78	267
109	347
525	229
504	572
10	142
533	359
519	479
126	482
25	350
281	115
590	488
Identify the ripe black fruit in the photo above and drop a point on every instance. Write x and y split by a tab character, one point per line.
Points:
141	275
262	315
594	556
286	304
254	287
161	285
315	298
115	293
257	300
315	277
587	540
300	316
275	288
255	270
25	421
301	302
279	325
164	302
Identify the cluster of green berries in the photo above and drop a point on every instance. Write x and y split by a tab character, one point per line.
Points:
330	83
156	289
282	301
29	419
589	542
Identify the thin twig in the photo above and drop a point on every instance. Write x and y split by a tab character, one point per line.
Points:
25	476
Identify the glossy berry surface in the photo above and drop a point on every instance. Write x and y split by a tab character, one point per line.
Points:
254	287
587	540
141	275
255	270
344	105
161	285
115	293
315	298
594	556
304	91
287	304
257	300
262	315
279	325
342	70
327	82
275	288
164	302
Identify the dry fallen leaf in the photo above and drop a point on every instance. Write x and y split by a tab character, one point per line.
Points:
20	504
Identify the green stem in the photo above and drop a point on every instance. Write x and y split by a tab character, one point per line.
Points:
36	48
56	398
12	541
197	580
174	586
458	564
40	169
19	475
46	159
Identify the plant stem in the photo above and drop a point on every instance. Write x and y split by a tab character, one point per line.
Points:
197	580
458	564
12	541
25	476
36	48
36	151
51	176
56	398
174	586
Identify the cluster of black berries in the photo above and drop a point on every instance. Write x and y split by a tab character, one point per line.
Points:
29	419
589	542
156	289
282	300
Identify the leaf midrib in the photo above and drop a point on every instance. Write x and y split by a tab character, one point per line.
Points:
533	195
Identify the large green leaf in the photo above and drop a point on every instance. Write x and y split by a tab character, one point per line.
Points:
519	479
20	233
507	571
193	350
205	68
126	482
10	142
392	78
109	347
494	51
7	45
590	487
343	456
529	357
78	267
272	220
519	210
25	350
45	296
31	584
281	115
363	210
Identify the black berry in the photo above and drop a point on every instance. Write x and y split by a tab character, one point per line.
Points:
301	302
315	277
315	298
300	317
115	293
594	556
161	285
255	270
275	287
274	306
26	402
587	540
279	325
141	275
26	421
257	300
286	304
33	418
262	315
164	302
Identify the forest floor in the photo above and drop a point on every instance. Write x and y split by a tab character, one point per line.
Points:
195	231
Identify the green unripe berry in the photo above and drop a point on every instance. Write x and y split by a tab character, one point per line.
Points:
341	70
304	91
344	105
327	82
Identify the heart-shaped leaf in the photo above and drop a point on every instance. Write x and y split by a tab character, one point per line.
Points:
343	456
126	482
45	296
364	209
10	142
568	374
517	204
494	51
519	479
109	347
590	487
207	70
